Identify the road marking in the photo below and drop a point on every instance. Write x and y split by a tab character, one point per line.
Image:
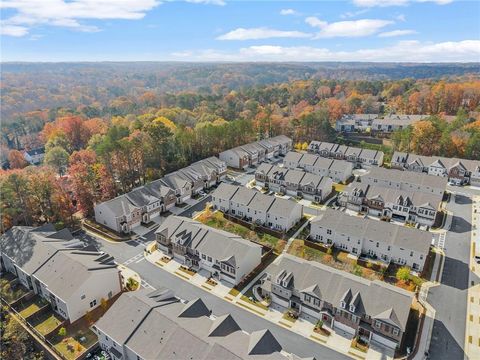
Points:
441	240
133	259
146	285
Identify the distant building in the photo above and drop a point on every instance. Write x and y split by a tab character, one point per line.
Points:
223	255
364	158
373	238
376	122
34	156
72	278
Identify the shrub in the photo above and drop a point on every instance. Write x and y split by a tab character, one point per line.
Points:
329	251
403	274
104	304
62	331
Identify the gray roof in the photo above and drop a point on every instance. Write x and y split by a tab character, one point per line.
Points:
292	156
418	199
155	331
120	206
219	244
469	165
55	258
282	207
374	297
261	202
243	195
225	191
369	229
141	196
409	177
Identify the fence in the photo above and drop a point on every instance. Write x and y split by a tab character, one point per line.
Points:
260	228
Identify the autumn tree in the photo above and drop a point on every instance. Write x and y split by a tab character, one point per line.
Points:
17	159
57	157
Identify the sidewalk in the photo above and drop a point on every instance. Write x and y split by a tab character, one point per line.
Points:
472	331
303	327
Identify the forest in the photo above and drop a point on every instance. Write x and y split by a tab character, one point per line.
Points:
104	137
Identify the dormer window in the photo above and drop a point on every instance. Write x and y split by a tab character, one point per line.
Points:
352	308
343	304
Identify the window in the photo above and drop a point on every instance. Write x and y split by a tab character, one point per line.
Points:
93	303
411	253
378	244
342	304
82	297
395	331
378	324
204	257
329	232
210	258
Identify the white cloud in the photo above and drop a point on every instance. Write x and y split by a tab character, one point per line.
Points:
350	14
64	13
288	12
385	3
403	51
401	17
261	33
353	28
397	33
13	30
207	2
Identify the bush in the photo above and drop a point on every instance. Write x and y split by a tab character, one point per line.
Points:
329	251
403	274
62	331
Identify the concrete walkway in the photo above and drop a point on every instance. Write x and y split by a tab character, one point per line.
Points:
294	236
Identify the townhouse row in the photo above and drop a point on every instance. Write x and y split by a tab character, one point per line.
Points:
141	205
297	183
372	310
372	238
411	207
360	158
338	170
72	278
250	155
376	122
405	180
145	325
220	254
257	208
458	171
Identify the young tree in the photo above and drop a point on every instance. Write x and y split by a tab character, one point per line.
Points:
403	274
62	331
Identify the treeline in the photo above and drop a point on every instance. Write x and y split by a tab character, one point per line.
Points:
435	136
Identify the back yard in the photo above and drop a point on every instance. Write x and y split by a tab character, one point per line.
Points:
217	220
340	260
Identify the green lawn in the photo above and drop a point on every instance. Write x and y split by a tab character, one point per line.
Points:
48	324
218	221
32	307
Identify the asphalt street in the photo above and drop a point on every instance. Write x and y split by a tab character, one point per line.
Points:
450	298
158	278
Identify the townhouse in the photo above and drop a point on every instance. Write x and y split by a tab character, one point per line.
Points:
257	208
338	170
359	157
143	204
405	180
410	207
72	278
458	171
146	325
293	182
376	123
372	238
223	255
372	310
250	155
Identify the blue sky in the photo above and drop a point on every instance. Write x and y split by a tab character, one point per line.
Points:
218	30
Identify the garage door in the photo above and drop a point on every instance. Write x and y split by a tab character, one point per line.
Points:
384	341
343	327
280	301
